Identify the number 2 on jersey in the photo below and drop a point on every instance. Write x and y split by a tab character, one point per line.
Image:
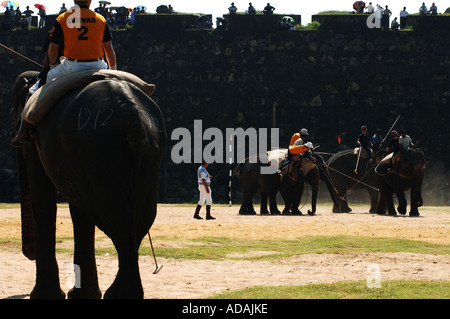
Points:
82	35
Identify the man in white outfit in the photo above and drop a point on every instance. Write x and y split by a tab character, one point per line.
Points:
204	187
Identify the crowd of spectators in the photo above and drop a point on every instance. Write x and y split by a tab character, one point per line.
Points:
360	6
121	16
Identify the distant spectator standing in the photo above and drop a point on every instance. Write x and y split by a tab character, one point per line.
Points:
28	14
423	10
268	9
63	8
370	8
42	15
251	9
433	9
403	15
360	8
171	11
12	18
385	19
18	16
232	9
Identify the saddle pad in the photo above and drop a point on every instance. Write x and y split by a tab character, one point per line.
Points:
277	155
45	97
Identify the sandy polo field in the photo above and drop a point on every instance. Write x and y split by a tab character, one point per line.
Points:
201	278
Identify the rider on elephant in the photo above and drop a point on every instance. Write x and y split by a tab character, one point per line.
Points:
298	152
296	140
81	52
394	147
365	142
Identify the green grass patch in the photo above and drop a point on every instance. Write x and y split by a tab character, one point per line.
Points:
224	248
221	248
392	289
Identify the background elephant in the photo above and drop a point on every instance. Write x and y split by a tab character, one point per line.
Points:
343	176
252	181
107	169
397	181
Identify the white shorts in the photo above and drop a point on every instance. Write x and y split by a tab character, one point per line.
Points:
204	196
66	66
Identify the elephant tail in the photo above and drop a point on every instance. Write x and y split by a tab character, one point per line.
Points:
235	174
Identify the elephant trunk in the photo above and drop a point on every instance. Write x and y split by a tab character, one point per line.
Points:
28	234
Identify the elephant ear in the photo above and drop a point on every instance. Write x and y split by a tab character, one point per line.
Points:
306	167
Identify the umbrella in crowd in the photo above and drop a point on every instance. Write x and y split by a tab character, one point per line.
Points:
357	4
39	6
290	19
11	4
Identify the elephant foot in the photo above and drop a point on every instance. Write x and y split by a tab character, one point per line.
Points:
47	293
414	213
392	213
243	211
84	293
275	212
297	212
311	213
264	212
401	210
286	211
114	292
246	213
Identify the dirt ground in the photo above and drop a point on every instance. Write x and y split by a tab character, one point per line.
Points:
201	278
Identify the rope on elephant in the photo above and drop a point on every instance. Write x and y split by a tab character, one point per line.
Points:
358	181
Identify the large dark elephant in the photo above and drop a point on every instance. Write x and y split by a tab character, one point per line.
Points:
397	181
291	189
101	147
342	167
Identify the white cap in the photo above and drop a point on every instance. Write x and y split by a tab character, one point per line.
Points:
309	145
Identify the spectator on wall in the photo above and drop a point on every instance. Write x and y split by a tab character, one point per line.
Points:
28	14
251	9
395	25
403	15
63	8
268	9
42	15
370	8
423	10
433	9
232	9
385	19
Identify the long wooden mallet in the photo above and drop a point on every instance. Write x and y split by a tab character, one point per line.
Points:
357	161
154	256
17	54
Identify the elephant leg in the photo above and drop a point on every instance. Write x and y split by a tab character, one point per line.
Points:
341	199
247	205
86	283
416	201
315	191
373	194
402	203
263	206
273	204
297	198
381	205
119	225
44	218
